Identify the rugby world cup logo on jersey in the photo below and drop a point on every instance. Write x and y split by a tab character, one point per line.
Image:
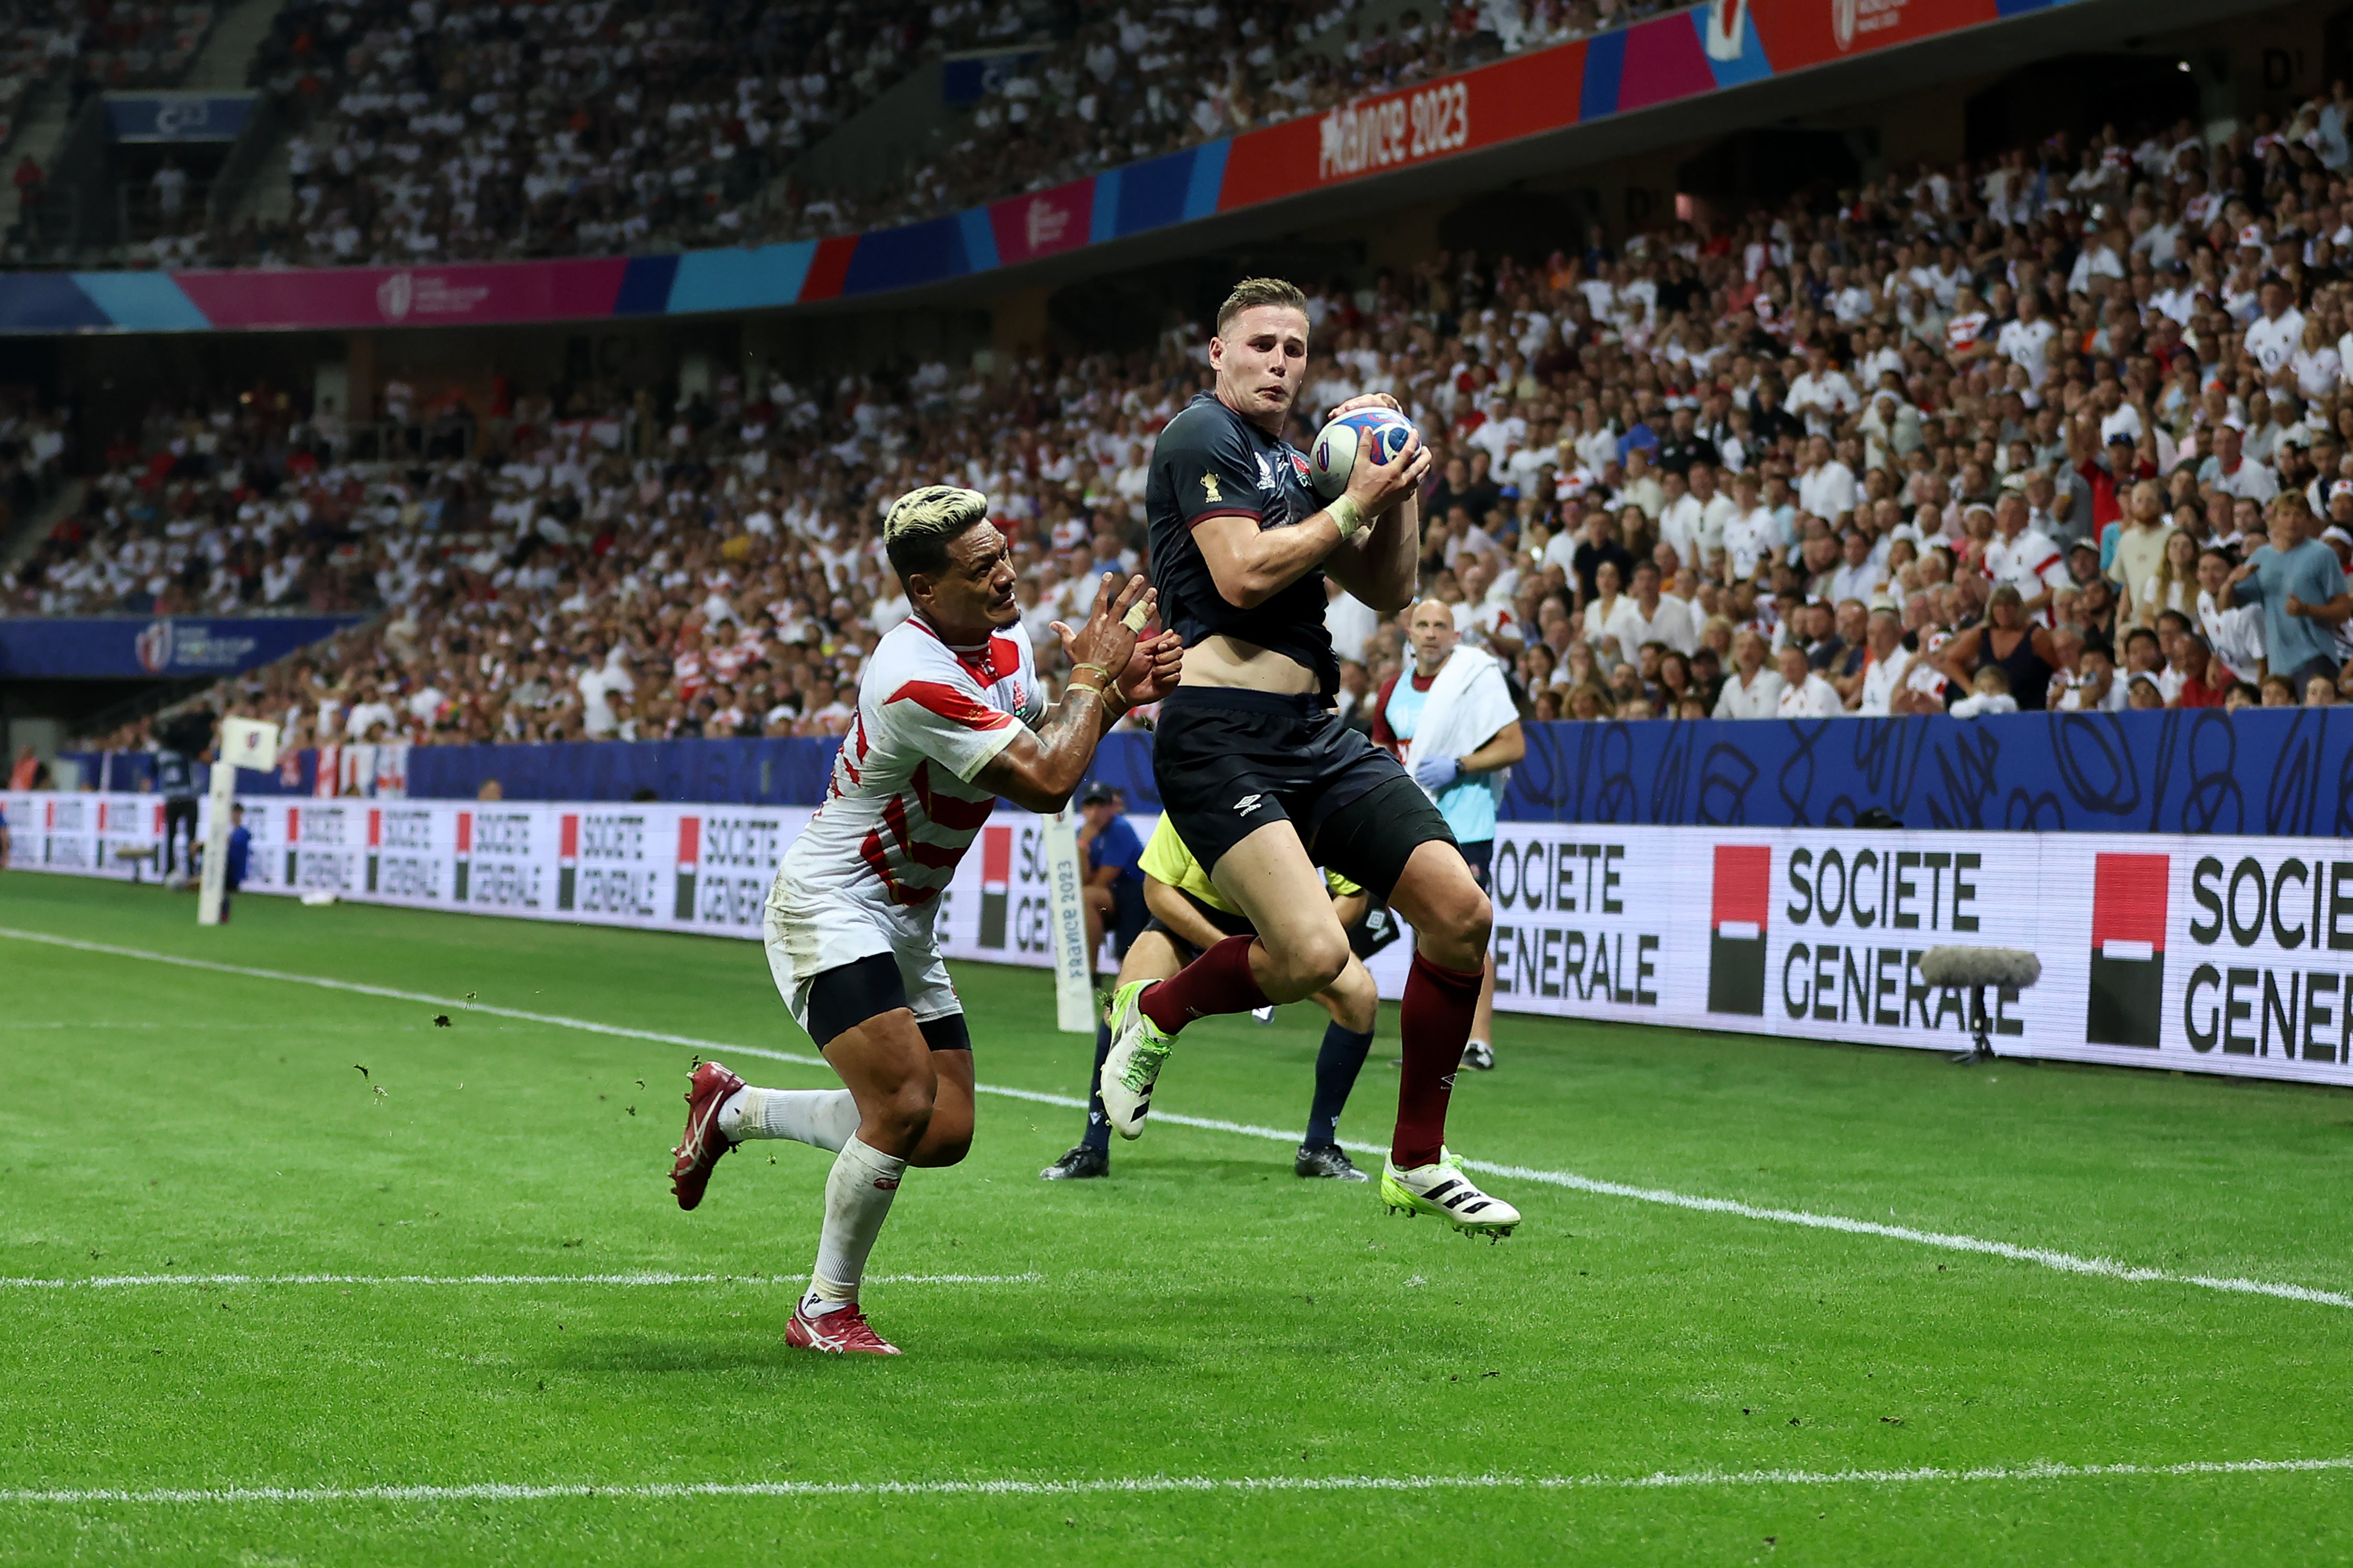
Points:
1740	910
2126	999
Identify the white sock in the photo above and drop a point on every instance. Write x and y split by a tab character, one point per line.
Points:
858	1196
823	1118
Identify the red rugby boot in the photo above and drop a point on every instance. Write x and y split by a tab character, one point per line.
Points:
842	1331
699	1150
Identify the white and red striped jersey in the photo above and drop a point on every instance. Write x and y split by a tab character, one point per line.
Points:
2030	564
900	808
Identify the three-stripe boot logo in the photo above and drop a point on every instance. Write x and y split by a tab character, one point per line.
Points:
2127	993
996	883
1736	946
689	860
567	861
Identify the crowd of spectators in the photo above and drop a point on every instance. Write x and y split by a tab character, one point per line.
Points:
96	44
712	571
1957	440
1136	80
432	130
2065	431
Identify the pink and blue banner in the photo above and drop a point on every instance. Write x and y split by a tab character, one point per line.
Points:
1711	48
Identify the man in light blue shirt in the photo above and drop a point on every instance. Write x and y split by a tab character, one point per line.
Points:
1470	733
2301	585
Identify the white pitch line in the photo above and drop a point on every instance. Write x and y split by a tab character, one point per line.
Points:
1145	1486
125	1282
2046	1258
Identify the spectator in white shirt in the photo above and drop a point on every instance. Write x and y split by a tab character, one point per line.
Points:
1885	665
2023	558
2026	341
1715	510
2274	337
1822	394
2101	256
2232	472
2236	635
1804	693
1858	574
1648	616
2093	687
1826	488
597	684
365	716
1683	521
1349	620
1751	690
1750	533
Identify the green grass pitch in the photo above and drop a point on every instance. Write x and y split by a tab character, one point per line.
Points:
1202	1314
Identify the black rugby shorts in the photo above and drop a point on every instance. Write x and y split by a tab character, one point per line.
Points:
1229	762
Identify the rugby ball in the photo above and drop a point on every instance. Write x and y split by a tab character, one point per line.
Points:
1334	456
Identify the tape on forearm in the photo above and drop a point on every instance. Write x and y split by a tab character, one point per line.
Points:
1347	516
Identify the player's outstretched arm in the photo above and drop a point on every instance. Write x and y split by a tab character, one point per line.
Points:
1039	768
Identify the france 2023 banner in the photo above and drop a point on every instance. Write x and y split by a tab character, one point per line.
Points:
2208	954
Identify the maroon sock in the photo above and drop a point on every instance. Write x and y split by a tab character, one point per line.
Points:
1219	981
1433	1025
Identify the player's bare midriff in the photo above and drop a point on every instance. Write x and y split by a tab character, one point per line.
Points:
1222	660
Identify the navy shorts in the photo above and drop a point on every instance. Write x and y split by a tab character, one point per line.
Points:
1229	762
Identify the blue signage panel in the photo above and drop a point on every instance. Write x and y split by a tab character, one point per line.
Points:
116	647
178	116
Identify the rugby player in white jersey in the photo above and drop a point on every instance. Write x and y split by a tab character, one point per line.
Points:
1261	778
950	717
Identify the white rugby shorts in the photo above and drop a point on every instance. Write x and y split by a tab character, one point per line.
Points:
810	931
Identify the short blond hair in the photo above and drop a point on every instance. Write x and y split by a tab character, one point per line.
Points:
1252	292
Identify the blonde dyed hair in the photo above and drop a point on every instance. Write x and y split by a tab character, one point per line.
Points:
918	525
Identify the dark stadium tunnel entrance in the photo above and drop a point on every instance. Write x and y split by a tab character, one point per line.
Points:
1775	163
2077	94
1127	312
1525	224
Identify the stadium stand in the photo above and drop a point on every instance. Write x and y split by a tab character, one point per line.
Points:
1143	81
434	134
438	133
1679	477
